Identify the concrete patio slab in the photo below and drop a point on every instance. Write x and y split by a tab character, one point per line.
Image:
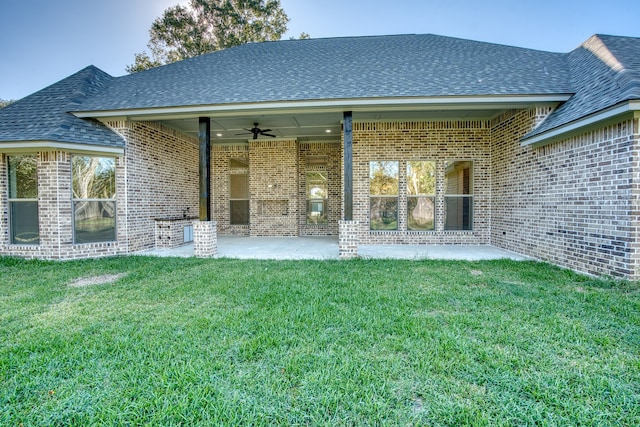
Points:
327	248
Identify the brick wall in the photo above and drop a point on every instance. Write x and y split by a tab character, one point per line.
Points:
273	187
331	152
276	171
55	208
221	156
162	178
4	204
422	140
157	178
56	216
574	202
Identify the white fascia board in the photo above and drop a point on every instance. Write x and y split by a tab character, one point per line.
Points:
337	105
555	134
31	146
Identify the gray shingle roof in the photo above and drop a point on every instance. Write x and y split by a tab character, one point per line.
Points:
44	115
341	68
605	72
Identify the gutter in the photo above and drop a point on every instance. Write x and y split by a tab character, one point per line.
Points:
30	146
329	106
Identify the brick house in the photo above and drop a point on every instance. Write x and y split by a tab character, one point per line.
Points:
410	139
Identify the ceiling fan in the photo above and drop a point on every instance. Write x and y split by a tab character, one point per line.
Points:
255	131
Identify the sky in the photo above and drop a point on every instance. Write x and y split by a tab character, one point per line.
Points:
44	41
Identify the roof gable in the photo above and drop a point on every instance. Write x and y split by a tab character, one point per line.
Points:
44	115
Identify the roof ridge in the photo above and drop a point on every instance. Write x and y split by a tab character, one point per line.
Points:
614	36
373	36
599	49
89	81
625	76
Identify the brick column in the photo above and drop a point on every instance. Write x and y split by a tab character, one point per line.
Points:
205	239
4	202
348	239
55	209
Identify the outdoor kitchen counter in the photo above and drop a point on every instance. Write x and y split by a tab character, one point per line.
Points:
173	231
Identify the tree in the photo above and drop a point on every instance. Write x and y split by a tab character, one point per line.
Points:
5	102
421	178
383	178
93	177
23	177
208	25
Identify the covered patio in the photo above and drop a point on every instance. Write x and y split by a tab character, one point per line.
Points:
325	248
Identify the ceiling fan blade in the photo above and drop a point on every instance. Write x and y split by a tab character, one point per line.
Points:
255	131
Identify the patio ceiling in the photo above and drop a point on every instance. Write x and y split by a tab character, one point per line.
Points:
304	126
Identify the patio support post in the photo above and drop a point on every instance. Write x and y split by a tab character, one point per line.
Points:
348	165
348	230
205	232
204	134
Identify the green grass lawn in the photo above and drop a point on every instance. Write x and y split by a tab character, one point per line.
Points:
362	342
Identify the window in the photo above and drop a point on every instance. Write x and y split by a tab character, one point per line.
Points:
94	199
317	192
421	194
23	200
458	198
383	195
239	191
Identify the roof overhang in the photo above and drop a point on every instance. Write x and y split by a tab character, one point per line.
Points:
628	108
330	105
32	146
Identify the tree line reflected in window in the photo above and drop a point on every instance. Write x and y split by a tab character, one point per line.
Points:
383	190
94	199
421	195
23	200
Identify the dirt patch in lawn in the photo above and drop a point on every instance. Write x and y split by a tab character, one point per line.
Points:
105	279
